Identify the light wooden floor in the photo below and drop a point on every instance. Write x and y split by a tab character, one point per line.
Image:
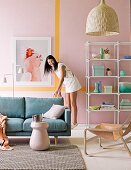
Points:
117	159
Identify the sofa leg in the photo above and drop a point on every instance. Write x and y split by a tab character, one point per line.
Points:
56	139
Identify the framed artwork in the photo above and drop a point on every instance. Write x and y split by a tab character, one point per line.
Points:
30	55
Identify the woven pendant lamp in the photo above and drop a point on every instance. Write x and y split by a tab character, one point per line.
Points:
102	21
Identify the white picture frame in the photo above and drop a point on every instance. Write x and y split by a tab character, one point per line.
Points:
32	68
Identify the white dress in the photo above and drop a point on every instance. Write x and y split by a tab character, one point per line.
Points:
71	82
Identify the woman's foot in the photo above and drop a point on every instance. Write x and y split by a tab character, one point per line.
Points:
74	125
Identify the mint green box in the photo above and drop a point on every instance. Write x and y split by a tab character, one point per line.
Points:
98	70
107	89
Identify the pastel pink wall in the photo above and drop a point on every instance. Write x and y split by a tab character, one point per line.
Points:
37	18
72	39
32	18
72	30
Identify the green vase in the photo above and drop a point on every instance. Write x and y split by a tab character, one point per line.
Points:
122	73
96	88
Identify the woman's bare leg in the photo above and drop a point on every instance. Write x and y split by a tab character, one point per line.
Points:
67	100
73	98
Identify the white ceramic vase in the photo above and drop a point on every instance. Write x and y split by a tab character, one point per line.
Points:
107	56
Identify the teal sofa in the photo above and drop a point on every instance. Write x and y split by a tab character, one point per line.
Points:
19	111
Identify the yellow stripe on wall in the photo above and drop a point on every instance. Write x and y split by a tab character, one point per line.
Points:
57	28
27	88
57	34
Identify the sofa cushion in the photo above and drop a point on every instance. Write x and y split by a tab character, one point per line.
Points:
26	125
14	124
55	125
55	112
12	107
40	105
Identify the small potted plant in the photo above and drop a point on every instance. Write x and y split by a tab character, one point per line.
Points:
106	53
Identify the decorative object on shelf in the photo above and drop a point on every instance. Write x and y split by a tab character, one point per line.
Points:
102	21
107	103
106	53
95	107
102	53
122	73
125	104
107	89
99	87
95	56
98	70
125	87
108	72
107	106
96	88
127	57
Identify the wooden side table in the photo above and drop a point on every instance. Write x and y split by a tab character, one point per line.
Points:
39	138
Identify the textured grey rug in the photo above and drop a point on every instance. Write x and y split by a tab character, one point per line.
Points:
58	157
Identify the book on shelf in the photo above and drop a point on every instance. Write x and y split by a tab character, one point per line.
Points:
107	105
125	107
107	108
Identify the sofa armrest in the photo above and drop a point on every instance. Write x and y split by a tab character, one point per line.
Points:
67	117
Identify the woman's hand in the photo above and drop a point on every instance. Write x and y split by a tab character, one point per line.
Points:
57	94
61	79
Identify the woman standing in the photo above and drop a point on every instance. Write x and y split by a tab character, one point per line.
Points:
69	80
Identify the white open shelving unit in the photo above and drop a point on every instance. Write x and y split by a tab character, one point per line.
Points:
117	51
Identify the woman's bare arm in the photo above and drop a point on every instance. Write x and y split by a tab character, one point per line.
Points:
63	72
